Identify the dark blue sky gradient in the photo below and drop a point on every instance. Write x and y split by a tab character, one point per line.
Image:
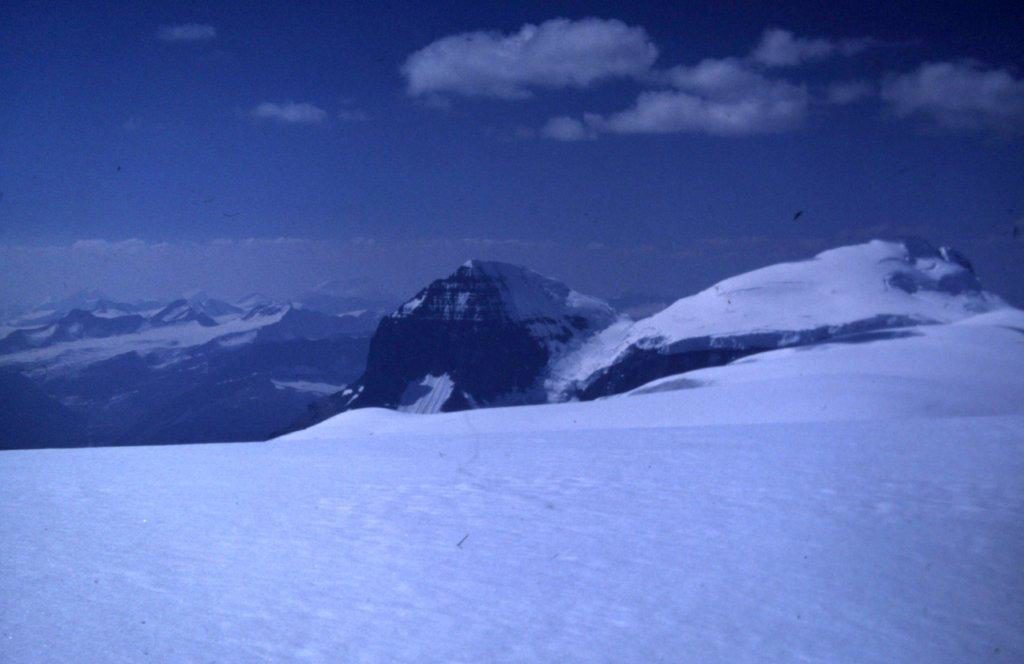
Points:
107	132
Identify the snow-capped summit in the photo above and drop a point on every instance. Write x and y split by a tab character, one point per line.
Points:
489	290
252	300
264	310
202	302
493	333
838	286
95	302
483	335
181	311
852	289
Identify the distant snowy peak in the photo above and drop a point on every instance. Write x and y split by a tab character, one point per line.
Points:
181	311
214	308
907	278
296	322
266	310
73	326
110	309
491	291
84	299
52	310
848	290
253	300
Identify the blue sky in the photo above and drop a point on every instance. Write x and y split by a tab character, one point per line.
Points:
266	146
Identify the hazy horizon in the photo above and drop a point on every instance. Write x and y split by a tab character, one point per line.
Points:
286	268
151	150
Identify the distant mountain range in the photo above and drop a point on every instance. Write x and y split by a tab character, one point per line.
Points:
489	334
493	334
192	370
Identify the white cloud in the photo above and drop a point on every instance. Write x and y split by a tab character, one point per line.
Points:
781	48
959	95
849	92
662	112
290	113
187	32
732	96
721	97
556	53
725	76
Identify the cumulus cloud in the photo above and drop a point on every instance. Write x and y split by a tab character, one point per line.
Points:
187	32
958	95
721	76
661	112
556	53
781	48
289	113
732	96
724	97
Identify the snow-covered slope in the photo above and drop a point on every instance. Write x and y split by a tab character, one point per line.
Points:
836	287
493	334
468	537
856	500
853	289
974	367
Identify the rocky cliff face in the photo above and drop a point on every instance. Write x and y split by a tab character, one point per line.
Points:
482	336
493	334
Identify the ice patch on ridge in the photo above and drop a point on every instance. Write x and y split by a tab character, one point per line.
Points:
307	386
427	396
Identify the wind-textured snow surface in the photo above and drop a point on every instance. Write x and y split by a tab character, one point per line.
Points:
974	367
855	501
894	541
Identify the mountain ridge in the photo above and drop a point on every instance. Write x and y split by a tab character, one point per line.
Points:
516	329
